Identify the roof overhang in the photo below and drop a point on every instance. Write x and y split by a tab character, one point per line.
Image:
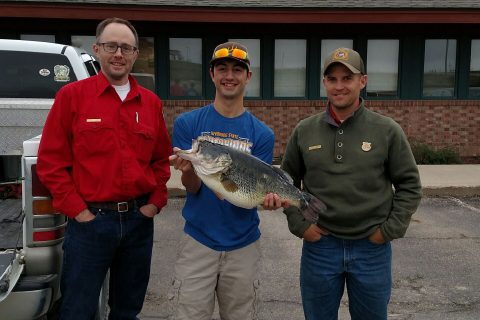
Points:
240	15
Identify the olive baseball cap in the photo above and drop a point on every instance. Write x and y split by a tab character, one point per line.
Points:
231	50
348	57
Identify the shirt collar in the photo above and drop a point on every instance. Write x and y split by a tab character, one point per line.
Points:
332	117
103	85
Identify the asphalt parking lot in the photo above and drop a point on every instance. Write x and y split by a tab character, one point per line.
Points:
435	267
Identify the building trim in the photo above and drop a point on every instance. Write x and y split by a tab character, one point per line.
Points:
232	15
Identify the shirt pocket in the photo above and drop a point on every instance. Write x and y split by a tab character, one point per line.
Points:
94	139
144	137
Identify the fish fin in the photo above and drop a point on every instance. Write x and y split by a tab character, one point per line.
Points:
283	174
312	207
228	184
219	195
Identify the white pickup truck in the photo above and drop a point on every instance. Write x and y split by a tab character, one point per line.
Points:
31	232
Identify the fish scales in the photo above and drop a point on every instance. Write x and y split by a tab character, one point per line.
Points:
256	179
253	177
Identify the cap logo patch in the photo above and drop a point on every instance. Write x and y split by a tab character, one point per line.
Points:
340	55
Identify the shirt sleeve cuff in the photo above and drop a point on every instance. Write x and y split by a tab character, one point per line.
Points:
70	206
159	197
296	222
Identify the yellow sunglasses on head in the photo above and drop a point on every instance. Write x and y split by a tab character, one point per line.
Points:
235	53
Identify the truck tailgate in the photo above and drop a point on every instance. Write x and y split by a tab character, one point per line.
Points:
11	224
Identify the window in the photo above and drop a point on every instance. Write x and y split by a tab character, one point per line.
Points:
474	86
290	68
35	71
185	67
84	42
327	47
439	68
253	46
382	68
38	37
93	67
144	67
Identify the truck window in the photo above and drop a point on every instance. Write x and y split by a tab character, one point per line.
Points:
92	66
33	74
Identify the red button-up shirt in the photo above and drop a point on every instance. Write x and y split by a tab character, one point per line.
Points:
95	147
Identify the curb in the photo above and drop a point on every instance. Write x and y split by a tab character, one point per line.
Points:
451	191
176	193
426	192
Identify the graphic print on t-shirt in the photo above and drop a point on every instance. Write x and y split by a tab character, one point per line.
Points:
231	140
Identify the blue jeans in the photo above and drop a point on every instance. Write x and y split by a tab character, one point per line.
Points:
330	263
119	241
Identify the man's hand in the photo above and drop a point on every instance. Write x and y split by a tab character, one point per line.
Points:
85	216
273	202
190	180
149	210
377	237
179	163
314	233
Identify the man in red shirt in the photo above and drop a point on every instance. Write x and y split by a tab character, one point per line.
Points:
104	157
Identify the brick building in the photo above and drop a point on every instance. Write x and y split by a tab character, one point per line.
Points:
422	57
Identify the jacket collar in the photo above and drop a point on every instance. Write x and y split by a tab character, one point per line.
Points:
331	118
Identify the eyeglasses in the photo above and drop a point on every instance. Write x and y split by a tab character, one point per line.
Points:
112	47
236	53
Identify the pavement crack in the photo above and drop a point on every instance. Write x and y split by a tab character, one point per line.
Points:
282	301
463	204
460	237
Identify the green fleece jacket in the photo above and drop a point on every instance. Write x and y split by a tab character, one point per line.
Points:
363	170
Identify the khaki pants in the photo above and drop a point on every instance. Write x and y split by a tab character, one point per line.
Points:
201	272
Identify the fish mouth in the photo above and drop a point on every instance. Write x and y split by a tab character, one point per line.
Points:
204	160
191	154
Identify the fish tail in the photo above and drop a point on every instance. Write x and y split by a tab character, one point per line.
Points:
312	207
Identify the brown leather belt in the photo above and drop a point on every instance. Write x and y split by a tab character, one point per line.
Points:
122	206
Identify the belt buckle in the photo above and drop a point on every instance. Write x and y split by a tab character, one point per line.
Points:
122	206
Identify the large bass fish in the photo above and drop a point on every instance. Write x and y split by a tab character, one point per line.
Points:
244	180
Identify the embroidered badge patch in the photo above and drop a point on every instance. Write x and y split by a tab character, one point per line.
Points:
340	54
366	146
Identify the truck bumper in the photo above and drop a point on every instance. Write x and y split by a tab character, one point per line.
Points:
30	299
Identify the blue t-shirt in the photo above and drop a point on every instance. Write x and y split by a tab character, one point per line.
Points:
217	223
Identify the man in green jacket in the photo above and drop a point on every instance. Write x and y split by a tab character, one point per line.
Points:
361	165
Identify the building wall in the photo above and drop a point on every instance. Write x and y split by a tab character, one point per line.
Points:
437	123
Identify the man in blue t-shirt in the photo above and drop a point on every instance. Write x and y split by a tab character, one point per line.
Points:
220	252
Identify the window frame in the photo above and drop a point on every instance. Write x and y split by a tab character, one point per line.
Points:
410	70
307	68
456	77
202	69
365	60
